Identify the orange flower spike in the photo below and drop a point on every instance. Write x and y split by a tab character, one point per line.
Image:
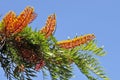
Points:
49	28
8	21
52	26
67	44
83	39
27	16
46	29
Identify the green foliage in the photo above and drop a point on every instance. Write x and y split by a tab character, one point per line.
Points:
58	61
11	58
84	57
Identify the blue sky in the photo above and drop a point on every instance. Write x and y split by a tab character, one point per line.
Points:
101	17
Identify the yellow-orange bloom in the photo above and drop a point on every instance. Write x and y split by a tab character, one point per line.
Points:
67	44
8	21
24	19
49	28
15	24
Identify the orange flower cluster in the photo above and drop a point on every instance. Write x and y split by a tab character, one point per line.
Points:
14	24
49	28
67	44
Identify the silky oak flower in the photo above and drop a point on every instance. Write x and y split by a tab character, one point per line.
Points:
50	26
71	43
15	24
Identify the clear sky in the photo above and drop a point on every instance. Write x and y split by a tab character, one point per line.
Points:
101	17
